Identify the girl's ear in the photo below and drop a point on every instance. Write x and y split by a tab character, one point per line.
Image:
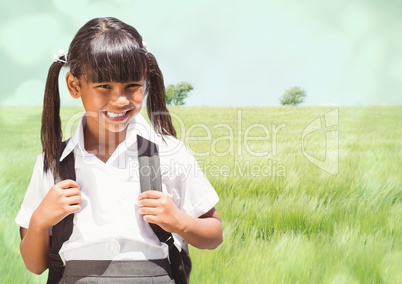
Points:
73	86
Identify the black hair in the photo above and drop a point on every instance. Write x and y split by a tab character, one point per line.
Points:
103	50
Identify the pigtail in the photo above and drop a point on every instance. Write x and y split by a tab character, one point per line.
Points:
51	133
156	105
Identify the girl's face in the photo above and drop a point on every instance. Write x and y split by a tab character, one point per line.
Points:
110	106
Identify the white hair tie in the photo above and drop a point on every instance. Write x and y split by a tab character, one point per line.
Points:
145	45
57	57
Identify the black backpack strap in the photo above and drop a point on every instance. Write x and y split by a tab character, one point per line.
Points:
150	178
61	232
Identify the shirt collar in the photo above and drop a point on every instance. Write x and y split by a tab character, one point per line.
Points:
137	126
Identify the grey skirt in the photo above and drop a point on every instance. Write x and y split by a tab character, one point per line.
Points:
116	272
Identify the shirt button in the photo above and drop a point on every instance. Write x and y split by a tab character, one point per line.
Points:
114	247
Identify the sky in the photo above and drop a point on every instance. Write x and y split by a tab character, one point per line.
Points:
234	53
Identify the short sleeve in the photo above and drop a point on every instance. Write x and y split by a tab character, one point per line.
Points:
187	184
38	187
199	195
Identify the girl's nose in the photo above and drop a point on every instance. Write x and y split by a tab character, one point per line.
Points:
121	101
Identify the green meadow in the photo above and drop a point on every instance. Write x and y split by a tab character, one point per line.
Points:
307	194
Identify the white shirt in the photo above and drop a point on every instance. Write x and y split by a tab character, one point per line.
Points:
109	227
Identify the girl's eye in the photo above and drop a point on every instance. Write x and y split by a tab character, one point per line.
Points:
133	86
104	86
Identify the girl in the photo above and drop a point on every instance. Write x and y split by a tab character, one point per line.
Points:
112	71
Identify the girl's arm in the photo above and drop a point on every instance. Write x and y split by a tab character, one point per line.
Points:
204	232
62	199
34	248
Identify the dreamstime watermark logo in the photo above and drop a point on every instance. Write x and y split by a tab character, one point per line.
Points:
328	123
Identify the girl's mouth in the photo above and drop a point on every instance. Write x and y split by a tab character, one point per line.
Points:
116	115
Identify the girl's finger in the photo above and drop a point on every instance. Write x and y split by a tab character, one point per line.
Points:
73	200
68	183
72	192
150	194
151	219
148	202
154	211
74	208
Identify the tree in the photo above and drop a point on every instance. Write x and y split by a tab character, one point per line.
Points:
176	94
293	96
169	95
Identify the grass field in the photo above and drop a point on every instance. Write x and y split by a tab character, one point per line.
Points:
335	218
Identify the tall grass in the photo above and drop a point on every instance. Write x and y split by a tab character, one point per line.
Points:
285	219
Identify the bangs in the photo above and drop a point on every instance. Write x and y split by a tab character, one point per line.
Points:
115	57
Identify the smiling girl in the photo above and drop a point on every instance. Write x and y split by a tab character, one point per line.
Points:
112	72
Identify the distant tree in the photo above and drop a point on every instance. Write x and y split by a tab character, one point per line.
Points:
169	94
293	96
176	94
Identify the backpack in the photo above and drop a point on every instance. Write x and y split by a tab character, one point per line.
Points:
148	157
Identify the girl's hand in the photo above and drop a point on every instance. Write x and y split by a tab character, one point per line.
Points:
62	199
204	232
158	208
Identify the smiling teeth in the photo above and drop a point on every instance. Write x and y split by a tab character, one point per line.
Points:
115	115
